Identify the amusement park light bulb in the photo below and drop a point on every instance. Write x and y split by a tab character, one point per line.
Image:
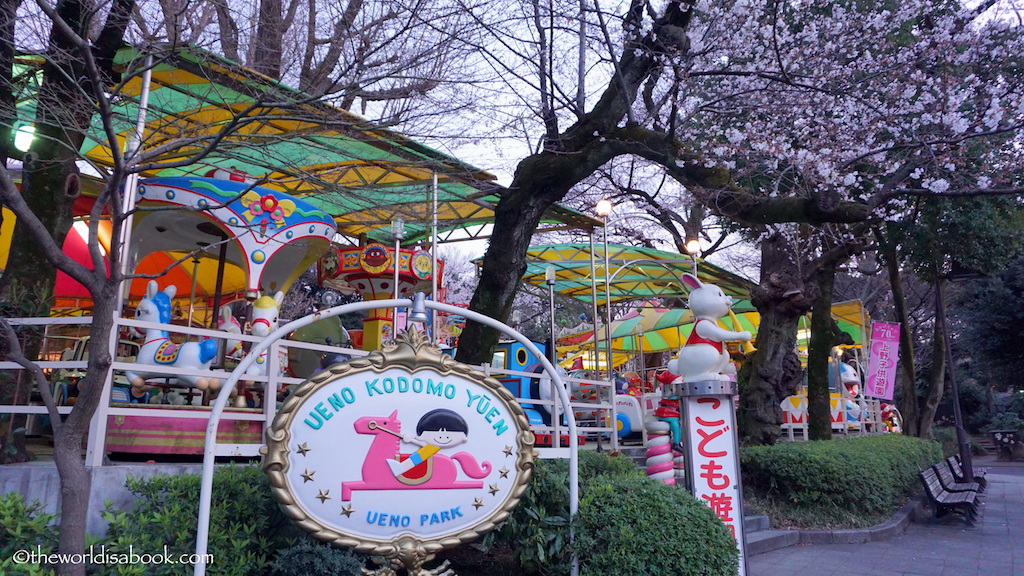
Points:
398	228
604	208
549	275
693	246
23	137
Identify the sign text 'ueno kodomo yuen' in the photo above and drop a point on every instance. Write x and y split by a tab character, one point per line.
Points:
399	454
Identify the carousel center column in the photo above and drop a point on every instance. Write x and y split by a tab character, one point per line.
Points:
372	270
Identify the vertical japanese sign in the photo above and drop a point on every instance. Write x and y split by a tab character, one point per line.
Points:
885	348
714	461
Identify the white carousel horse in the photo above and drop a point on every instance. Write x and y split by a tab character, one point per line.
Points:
264	321
228	323
158	349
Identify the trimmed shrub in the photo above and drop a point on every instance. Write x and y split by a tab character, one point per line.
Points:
24	527
869	474
308	559
620	528
246	525
634	525
537	530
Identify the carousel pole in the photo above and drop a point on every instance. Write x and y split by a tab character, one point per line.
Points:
433	254
133	145
397	233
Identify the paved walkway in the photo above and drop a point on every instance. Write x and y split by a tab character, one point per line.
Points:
994	546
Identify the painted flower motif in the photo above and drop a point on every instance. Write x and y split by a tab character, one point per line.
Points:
268	206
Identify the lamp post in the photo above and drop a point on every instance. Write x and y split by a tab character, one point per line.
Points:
962	440
604	209
549	279
398	233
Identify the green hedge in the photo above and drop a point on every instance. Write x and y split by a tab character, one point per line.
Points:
621	525
24	527
633	525
247	527
868	474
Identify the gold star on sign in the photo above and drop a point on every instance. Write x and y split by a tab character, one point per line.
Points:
493	489
478	503
347	510
323	496
504	472
303	448
508	450
307	476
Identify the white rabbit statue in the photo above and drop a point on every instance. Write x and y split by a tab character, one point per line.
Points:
704	356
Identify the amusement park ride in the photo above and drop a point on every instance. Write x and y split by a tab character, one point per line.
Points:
212	253
267	239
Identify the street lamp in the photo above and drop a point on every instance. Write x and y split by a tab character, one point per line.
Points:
693	249
398	233
604	209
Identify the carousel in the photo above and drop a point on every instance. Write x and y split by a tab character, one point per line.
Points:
219	235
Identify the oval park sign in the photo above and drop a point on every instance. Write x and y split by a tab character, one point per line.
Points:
401	453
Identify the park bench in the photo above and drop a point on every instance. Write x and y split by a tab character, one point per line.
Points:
945	502
953	462
950	483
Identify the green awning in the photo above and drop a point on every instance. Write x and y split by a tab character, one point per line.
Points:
365	176
635	273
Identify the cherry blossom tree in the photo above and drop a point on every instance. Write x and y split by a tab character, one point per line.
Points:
784	117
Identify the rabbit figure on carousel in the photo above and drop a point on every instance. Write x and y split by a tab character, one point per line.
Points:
704	356
228	323
158	349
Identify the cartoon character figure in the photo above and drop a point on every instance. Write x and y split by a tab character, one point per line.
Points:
704	356
437	430
441	471
850	391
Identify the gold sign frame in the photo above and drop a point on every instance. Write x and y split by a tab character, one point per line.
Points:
412	352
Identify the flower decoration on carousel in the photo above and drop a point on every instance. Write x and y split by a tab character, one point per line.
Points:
267	208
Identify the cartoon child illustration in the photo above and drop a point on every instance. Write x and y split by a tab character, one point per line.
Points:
437	430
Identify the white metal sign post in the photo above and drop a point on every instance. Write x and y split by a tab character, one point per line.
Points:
713	468
320	405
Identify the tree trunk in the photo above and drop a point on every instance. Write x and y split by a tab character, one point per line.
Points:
75	480
906	382
936	382
266	54
819	420
539	182
774	371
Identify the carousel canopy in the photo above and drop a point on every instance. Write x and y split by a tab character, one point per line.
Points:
363	175
635	273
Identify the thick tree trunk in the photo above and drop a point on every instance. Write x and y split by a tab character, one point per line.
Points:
266	54
936	383
540	181
774	371
819	420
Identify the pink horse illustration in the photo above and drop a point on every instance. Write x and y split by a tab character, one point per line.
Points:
377	475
